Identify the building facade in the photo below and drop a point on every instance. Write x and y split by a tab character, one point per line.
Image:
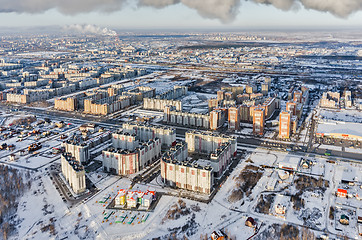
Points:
258	121
185	118
160	104
330	100
73	172
80	151
285	124
176	171
125	162
234	118
208	142
217	118
145	132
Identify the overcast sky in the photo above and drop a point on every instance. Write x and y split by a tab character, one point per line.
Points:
249	15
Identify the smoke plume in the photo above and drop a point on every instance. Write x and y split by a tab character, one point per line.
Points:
89	29
225	10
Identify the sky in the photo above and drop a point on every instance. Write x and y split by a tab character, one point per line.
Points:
179	16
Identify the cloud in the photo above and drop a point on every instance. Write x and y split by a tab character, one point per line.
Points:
65	6
224	10
339	8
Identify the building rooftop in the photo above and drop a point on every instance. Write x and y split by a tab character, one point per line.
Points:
77	166
344	128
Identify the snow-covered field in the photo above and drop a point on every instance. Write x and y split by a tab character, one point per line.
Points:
44	215
307	196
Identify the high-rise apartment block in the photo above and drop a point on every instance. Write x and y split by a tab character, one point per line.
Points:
251	88
220	95
285	124
330	100
145	132
258	121
126	161
73	172
298	97
265	88
178	172
217	119
234	118
291	107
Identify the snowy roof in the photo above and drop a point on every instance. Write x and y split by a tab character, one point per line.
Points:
342	115
351	175
335	127
290	163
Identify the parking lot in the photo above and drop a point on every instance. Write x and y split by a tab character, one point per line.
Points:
338	142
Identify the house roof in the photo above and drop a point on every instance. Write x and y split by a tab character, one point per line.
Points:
342	190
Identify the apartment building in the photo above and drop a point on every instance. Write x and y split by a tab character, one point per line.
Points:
73	172
330	100
207	142
107	106
217	118
145	132
285	124
258	121
176	171
185	118
234	118
127	161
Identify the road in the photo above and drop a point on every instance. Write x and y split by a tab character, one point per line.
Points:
244	140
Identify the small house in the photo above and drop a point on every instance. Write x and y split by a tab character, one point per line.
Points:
217	235
341	192
12	157
146	200
132	198
121	198
280	209
250	222
344	219
306	163
359	215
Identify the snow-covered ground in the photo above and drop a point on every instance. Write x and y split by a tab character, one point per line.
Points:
43	214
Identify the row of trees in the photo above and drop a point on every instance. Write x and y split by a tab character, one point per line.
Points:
11	188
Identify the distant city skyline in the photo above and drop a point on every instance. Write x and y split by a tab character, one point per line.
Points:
250	15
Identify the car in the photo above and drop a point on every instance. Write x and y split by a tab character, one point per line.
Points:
328	153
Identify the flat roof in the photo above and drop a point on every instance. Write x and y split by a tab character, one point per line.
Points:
344	128
343	115
290	162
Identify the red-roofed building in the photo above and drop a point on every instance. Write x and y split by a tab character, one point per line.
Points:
341	192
